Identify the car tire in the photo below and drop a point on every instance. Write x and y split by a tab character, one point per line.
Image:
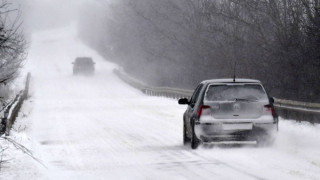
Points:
186	139
194	140
265	141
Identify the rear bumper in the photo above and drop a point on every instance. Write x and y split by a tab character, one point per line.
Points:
234	131
83	70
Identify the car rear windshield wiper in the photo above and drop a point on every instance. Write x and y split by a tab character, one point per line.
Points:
242	99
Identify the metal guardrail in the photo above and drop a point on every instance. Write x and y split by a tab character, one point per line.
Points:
154	91
11	112
299	111
287	109
305	105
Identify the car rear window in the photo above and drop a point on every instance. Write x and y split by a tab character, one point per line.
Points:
84	61
231	92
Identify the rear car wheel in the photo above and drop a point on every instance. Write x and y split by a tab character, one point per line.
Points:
186	139
75	72
265	140
194	140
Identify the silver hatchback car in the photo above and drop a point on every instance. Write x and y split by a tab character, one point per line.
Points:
229	111
83	65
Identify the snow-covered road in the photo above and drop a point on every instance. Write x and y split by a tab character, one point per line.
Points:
100	128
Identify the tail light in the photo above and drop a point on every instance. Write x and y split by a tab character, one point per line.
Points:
203	110
270	108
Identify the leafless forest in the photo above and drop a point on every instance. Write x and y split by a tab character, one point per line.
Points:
179	43
12	43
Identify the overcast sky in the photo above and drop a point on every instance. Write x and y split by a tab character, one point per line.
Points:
46	14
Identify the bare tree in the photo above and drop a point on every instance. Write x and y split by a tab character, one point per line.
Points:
12	43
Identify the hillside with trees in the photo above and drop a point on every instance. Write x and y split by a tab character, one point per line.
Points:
180	43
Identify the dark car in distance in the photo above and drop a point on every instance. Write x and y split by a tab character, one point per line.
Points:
83	65
229	111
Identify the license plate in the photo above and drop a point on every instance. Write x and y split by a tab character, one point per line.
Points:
240	126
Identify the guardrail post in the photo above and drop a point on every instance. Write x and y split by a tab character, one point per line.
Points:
12	111
26	88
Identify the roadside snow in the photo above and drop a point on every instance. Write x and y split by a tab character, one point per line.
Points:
101	128
17	163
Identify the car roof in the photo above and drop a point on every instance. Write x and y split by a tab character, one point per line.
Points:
83	59
237	80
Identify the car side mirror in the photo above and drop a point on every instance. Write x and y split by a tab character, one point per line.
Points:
271	99
183	101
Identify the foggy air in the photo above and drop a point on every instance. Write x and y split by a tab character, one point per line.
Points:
170	89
